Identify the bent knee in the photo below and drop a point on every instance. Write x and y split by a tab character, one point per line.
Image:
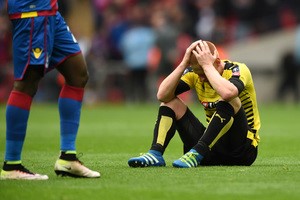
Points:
177	105
236	104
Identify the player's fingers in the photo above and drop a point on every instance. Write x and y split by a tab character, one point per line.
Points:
204	46
195	53
198	49
193	45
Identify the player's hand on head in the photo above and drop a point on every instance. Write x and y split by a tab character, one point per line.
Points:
204	55
186	58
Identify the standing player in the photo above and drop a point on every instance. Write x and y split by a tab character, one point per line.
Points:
41	42
227	92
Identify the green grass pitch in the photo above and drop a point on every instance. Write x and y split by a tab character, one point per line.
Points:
110	134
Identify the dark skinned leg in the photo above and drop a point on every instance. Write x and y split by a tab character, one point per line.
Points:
74	70
29	84
17	112
70	99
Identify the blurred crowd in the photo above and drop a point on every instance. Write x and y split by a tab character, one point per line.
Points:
136	43
6	68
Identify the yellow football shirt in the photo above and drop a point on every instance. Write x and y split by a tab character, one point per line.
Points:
208	97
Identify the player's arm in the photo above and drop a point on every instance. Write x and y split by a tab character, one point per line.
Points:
182	87
226	89
222	86
166	90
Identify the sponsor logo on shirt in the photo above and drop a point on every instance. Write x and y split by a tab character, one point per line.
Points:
37	52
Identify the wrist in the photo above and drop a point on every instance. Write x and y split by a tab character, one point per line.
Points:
206	66
182	66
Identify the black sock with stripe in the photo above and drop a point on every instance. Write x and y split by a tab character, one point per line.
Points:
164	129
217	127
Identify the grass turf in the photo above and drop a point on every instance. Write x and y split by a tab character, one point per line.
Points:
110	134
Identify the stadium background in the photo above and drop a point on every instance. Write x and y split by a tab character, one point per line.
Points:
257	32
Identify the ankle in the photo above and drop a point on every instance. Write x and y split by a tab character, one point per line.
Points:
155	152
9	166
69	156
199	157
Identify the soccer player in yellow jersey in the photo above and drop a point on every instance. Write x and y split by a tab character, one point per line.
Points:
226	91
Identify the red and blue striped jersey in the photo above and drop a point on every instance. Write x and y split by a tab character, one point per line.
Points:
31	8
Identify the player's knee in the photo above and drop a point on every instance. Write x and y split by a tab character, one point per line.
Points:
174	103
29	88
79	80
177	106
236	104
225	107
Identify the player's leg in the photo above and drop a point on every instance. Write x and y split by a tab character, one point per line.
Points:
243	146
17	114
70	99
70	62
164	130
29	61
237	147
220	123
190	130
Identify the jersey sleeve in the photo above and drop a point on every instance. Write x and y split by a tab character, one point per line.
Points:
189	77
181	87
239	76
238	83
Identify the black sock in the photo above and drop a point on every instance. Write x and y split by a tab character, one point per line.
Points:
164	129
219	124
10	167
68	156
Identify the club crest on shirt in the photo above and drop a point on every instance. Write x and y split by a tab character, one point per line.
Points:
37	52
189	69
236	71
